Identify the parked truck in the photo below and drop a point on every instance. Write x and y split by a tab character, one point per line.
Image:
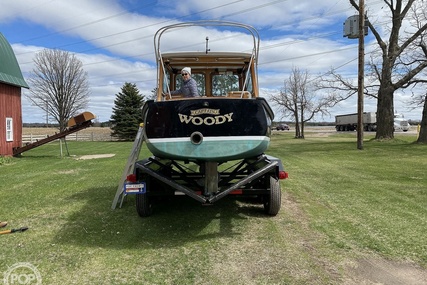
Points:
348	122
400	123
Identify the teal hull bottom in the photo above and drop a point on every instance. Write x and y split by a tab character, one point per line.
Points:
210	148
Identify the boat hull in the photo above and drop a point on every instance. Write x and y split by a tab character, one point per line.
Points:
207	129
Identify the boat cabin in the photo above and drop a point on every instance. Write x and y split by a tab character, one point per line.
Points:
218	74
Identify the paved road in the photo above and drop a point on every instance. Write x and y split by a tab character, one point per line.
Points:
328	129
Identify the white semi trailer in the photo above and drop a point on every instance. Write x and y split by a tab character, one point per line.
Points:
348	122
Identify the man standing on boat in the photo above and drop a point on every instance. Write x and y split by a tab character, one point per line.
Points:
189	85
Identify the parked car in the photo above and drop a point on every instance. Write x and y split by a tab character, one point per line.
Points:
282	127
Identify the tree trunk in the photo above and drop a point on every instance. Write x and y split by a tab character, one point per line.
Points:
385	113
422	136
297	127
302	125
302	131
62	125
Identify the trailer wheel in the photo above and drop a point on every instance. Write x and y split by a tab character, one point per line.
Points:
143	205
273	200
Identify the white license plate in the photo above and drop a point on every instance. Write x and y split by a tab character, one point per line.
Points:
135	188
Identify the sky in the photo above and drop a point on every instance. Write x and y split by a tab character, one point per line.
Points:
114	41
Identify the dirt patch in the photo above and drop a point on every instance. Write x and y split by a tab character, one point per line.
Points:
52	131
89	134
381	271
368	270
70	171
319	134
94	156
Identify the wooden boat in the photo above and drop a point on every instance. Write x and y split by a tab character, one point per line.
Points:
210	146
228	121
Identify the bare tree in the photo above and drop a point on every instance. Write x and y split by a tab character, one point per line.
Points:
298	100
422	136
58	85
397	69
420	99
395	63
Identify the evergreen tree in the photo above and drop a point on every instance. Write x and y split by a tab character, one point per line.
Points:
127	113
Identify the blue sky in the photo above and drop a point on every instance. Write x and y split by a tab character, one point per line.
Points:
114	40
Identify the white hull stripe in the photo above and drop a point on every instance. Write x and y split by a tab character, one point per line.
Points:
212	139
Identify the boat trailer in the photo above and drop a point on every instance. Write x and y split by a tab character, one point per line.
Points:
207	182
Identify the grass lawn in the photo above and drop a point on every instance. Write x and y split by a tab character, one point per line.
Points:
340	205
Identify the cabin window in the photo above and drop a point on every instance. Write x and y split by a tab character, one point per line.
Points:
249	86
166	81
224	83
9	129
200	80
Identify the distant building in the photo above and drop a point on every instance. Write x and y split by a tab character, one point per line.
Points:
11	82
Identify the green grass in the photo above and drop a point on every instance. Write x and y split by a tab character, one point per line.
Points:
339	203
372	199
5	160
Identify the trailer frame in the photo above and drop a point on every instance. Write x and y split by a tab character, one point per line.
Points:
258	176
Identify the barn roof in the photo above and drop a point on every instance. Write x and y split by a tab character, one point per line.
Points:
10	72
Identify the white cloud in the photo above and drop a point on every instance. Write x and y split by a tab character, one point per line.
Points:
116	44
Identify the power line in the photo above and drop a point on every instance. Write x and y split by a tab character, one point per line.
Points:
155	24
84	24
126	31
304	56
224	16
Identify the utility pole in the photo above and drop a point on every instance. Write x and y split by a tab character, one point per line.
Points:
356	28
361	74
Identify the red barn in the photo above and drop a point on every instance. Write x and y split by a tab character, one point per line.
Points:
11	82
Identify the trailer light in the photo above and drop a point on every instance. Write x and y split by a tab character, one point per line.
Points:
131	178
283	175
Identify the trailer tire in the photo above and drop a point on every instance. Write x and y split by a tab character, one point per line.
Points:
144	206
273	200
